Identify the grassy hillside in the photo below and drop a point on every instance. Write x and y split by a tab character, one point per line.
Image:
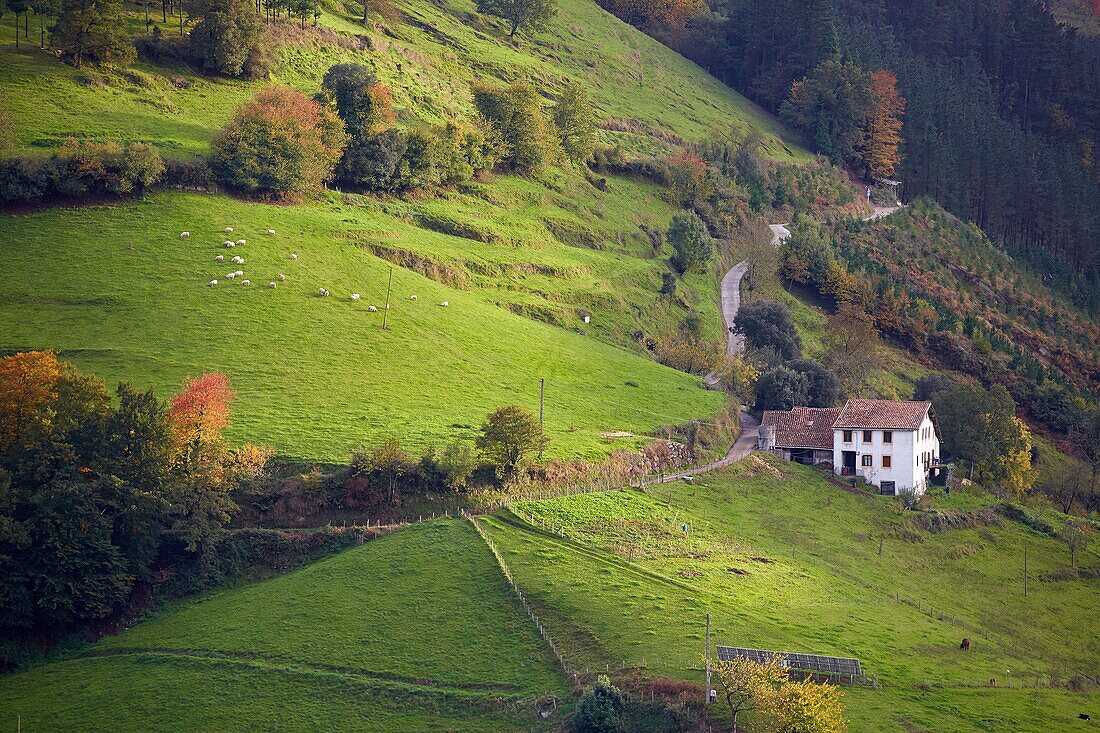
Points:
429	58
115	290
385	637
783	559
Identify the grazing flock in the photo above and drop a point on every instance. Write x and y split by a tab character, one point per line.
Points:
238	275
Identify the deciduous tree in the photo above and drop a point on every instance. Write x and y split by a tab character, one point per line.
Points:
28	381
692	244
92	30
746	683
508	437
531	15
575	121
766	324
199	413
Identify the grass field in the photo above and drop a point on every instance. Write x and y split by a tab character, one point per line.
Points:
414	631
117	291
792	562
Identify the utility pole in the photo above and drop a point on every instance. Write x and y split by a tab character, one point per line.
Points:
706	692
542	398
386	310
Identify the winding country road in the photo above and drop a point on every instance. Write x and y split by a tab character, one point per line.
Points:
735	344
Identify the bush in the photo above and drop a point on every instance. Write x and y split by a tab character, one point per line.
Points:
281	144
781	389
600	710
822	386
81	169
374	161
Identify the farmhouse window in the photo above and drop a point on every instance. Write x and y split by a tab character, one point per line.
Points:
866	460
847	436
886	461
887	436
866	436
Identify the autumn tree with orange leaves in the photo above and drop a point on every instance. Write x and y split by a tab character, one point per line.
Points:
27	382
199	413
882	136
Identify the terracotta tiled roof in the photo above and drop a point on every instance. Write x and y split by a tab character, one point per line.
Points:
803	427
882	415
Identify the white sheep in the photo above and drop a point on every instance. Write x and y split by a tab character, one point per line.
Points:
412	297
219	258
236	259
229	230
270	231
355	296
185	235
444	304
229	245
322	292
246	282
282	276
242	241
240	273
230	275
272	284
293	256
213	283
372	309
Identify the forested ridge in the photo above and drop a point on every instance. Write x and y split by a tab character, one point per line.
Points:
1002	105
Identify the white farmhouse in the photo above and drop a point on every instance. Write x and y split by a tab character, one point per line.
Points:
891	444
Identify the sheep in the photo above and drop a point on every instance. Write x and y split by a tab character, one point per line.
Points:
230	275
229	230
282	276
272	284
372	309
242	241
185	235
240	273
293	256
246	282
270	231
323	292
219	258
412	297
229	245
444	304
355	296
213	283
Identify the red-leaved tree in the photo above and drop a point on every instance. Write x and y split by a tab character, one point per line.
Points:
27	381
200	412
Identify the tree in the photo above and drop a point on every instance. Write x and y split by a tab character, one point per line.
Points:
882	136
27	382
229	38
831	106
738	377
508	436
691	242
822	386
1086	439
92	30
532	15
458	464
18	7
802	706
852	348
576	122
781	388
766	324
389	463
600	710
745	682
44	9
361	101
515	112
1076	538
199	413
281	145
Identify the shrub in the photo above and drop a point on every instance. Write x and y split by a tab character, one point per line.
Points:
600	710
374	161
82	168
281	145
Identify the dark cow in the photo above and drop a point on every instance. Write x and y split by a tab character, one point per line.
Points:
965	646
